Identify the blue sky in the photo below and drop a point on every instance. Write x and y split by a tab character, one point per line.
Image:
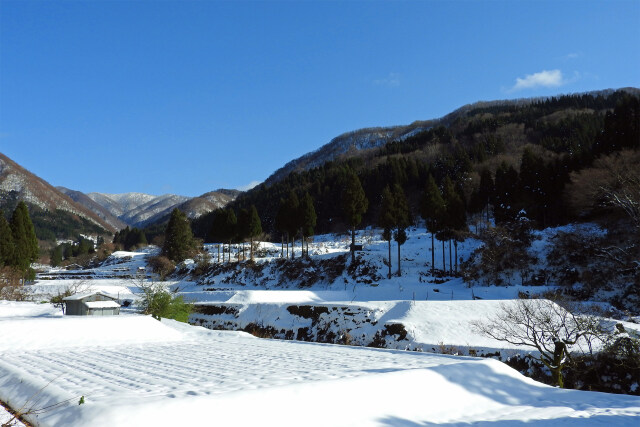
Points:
186	97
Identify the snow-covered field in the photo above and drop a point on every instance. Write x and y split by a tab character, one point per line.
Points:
134	370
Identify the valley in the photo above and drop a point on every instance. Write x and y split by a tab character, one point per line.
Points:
455	225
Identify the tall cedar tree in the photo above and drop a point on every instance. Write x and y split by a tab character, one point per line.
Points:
432	210
354	205
254	228
56	256
178	241
216	229
242	233
455	217
308	218
505	195
230	230
386	218
292	219
24	238
281	225
402	219
486	189
6	242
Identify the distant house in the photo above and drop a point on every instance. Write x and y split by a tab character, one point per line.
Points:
91	304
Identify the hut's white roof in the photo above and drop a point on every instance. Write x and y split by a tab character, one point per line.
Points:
78	297
102	304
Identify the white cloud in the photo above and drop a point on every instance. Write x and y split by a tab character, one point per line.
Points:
551	78
392	80
572	55
249	186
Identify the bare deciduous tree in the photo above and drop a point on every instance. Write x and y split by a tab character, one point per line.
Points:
547	327
613	180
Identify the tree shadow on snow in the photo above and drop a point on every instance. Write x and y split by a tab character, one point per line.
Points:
613	420
481	379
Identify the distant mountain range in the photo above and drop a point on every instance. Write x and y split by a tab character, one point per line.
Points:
139	209
115	211
17	183
110	212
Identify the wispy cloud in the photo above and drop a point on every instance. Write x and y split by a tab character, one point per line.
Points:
572	55
249	186
545	78
392	80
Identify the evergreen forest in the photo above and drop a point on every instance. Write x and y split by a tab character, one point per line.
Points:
515	159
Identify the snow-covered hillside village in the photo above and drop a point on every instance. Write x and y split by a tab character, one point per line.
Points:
319	213
338	345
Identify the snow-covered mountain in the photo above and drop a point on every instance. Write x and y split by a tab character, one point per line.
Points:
36	191
368	138
141	213
119	204
81	198
139	209
347	143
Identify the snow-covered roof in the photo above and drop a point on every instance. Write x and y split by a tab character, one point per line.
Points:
102	304
78	297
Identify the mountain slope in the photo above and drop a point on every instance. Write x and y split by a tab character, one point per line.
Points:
120	204
84	200
24	185
196	206
363	139
347	143
140	210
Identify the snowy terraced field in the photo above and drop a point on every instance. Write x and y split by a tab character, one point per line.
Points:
134	370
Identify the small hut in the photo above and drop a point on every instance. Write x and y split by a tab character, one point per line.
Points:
91	304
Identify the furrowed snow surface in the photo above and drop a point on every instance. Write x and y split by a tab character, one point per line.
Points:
134	370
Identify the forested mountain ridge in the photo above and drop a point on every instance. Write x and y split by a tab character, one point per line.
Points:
495	172
84	200
349	143
346	144
560	136
54	214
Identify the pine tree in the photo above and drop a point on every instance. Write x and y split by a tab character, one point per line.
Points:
505	195
486	189
56	256
293	221
6	242
455	217
230	230
255	226
24	238
402	215
354	205
281	225
432	211
243	228
178	242
308	218
386	218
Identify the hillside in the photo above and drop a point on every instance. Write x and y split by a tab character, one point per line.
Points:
561	135
348	144
84	200
351	143
141	210
45	202
327	299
